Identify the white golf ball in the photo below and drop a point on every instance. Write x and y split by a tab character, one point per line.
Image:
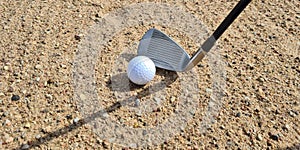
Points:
141	70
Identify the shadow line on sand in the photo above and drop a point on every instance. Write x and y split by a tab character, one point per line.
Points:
169	79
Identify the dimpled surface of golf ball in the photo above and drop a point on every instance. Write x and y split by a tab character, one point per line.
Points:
141	70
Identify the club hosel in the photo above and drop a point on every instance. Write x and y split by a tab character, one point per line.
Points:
195	60
203	50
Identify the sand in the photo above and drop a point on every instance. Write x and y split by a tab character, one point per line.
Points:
245	95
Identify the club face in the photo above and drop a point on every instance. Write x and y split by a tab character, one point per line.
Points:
163	51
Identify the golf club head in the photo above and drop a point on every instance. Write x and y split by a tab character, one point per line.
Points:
163	51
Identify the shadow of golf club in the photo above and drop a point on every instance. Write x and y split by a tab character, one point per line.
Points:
169	79
294	147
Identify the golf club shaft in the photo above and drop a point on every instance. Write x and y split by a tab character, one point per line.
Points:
209	43
230	18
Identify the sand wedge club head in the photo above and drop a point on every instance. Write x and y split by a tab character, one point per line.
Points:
167	54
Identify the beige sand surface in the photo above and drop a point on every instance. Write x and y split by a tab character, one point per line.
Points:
261	104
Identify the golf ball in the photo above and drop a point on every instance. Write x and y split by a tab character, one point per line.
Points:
141	70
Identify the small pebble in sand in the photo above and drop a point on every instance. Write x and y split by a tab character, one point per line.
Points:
46	129
274	136
172	99
6	68
63	66
139	113
49	96
79	37
76	120
157	100
23	135
238	114
38	136
27	125
69	116
15	98
37	79
286	127
7	122
259	137
208	90
137	102
38	67
2	94
25	146
105	115
5	114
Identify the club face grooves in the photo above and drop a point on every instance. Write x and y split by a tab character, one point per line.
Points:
163	51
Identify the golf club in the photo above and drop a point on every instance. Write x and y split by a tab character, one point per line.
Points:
167	54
